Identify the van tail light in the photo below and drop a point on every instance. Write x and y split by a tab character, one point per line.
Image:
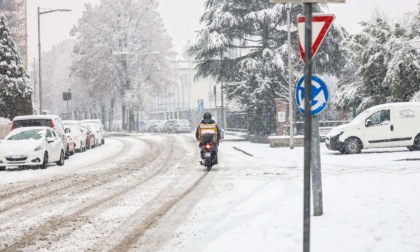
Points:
52	124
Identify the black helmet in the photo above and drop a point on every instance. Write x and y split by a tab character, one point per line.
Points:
207	115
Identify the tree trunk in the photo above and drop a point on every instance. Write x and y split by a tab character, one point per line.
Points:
111	114
124	119
131	120
103	114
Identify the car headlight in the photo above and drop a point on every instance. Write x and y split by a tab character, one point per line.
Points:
38	148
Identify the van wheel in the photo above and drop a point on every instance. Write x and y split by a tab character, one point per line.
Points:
416	145
353	146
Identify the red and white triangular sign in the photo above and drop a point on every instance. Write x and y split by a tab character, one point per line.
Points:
321	23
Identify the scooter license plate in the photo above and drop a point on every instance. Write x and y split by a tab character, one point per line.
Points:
207	154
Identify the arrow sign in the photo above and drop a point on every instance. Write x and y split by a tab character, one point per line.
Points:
320	95
321	23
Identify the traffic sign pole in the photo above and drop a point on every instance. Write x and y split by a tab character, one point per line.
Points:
307	128
316	162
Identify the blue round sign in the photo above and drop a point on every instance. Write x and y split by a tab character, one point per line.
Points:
320	95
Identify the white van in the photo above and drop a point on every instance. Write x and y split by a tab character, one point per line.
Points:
381	126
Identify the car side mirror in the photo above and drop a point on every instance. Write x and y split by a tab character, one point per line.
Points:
368	123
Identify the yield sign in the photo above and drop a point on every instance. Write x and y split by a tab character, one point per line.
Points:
320	25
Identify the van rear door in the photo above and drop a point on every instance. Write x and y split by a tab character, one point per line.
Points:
406	126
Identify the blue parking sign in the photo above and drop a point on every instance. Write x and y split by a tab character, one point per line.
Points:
200	105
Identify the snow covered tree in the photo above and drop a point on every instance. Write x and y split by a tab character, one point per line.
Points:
15	91
120	46
57	79
244	44
403	75
382	68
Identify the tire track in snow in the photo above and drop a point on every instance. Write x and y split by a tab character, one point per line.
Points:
56	223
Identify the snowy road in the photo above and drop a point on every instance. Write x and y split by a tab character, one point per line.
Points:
148	193
104	203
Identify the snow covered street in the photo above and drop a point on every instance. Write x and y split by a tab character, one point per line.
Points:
148	193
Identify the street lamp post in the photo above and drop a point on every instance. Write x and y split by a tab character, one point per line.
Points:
39	53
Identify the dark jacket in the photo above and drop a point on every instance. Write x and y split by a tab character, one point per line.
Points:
208	121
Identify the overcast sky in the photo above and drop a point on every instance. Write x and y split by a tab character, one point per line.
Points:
181	18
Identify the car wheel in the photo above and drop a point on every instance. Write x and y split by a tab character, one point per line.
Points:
416	145
61	161
81	147
353	146
2	168
67	155
103	141
74	150
45	162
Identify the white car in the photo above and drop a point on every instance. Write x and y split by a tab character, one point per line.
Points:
99	127
53	121
75	130
31	147
94	128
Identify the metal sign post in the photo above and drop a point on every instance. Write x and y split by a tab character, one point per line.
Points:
307	129
307	55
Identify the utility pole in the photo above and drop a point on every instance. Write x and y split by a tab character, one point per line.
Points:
291	129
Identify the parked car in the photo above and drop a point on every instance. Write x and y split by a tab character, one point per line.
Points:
74	128
167	127
53	121
100	128
31	147
94	128
149	124
159	126
71	144
90	137
381	126
178	126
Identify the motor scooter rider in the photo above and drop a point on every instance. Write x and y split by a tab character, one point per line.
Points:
207	120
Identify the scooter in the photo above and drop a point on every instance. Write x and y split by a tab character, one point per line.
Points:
208	150
208	155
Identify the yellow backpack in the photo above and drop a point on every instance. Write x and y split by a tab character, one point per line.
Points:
207	132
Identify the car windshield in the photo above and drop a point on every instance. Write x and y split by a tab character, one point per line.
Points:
32	122
28	134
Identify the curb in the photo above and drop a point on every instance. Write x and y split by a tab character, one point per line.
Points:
242	151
